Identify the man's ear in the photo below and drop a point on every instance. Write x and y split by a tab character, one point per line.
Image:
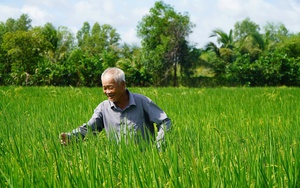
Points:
123	84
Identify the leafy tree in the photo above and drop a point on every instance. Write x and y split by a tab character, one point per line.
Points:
65	44
248	39
271	69
51	35
131	61
102	41
54	62
291	46
191	62
224	39
245	28
163	32
10	25
52	67
24	50
255	59
23	23
290	69
4	65
224	53
109	45
83	36
275	33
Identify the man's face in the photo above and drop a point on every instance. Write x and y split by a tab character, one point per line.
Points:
111	88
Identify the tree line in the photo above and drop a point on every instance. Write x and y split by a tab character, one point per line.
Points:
245	56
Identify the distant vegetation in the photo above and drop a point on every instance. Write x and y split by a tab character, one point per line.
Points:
245	56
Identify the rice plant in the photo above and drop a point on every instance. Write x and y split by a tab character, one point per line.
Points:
221	137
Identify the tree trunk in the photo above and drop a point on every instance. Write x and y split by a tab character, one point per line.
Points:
175	75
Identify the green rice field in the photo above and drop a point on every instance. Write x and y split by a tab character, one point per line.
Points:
221	137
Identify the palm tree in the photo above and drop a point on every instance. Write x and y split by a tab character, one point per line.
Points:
226	40
213	47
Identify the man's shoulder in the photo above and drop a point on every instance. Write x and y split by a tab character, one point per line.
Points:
140	97
104	103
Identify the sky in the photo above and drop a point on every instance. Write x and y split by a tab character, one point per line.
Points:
124	15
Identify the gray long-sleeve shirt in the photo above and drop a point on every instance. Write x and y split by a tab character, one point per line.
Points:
136	119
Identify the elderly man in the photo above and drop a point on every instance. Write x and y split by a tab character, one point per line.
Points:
124	114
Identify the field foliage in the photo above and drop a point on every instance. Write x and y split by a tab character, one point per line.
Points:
221	137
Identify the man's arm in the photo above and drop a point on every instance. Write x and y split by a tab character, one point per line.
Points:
160	118
164	126
95	124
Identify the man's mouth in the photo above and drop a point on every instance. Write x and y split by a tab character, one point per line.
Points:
110	96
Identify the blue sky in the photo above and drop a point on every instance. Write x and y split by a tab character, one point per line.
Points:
124	15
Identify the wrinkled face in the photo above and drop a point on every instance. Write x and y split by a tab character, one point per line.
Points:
111	88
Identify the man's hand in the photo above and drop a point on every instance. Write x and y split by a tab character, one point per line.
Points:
64	139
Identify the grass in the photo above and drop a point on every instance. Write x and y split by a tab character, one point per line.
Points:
222	137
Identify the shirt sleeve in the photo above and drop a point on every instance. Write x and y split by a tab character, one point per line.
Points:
95	124
159	117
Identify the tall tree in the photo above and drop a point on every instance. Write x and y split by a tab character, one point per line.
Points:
225	42
61	41
248	37
164	32
101	41
4	65
10	25
224	50
274	34
65	43
50	33
83	35
131	61
23	23
224	39
24	50
245	28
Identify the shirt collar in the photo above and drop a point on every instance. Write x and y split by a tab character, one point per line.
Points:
131	101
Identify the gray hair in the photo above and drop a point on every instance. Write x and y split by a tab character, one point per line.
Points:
117	74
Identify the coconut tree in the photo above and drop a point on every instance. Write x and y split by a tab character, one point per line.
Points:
223	50
224	39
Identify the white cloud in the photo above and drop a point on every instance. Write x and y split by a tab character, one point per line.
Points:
8	12
229	6
38	16
93	11
48	3
125	15
130	37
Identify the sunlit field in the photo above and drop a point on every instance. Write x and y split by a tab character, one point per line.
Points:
221	137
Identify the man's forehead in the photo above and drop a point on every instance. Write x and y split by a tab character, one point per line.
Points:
108	78
108	84
108	81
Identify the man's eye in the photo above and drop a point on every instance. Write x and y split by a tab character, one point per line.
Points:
108	87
